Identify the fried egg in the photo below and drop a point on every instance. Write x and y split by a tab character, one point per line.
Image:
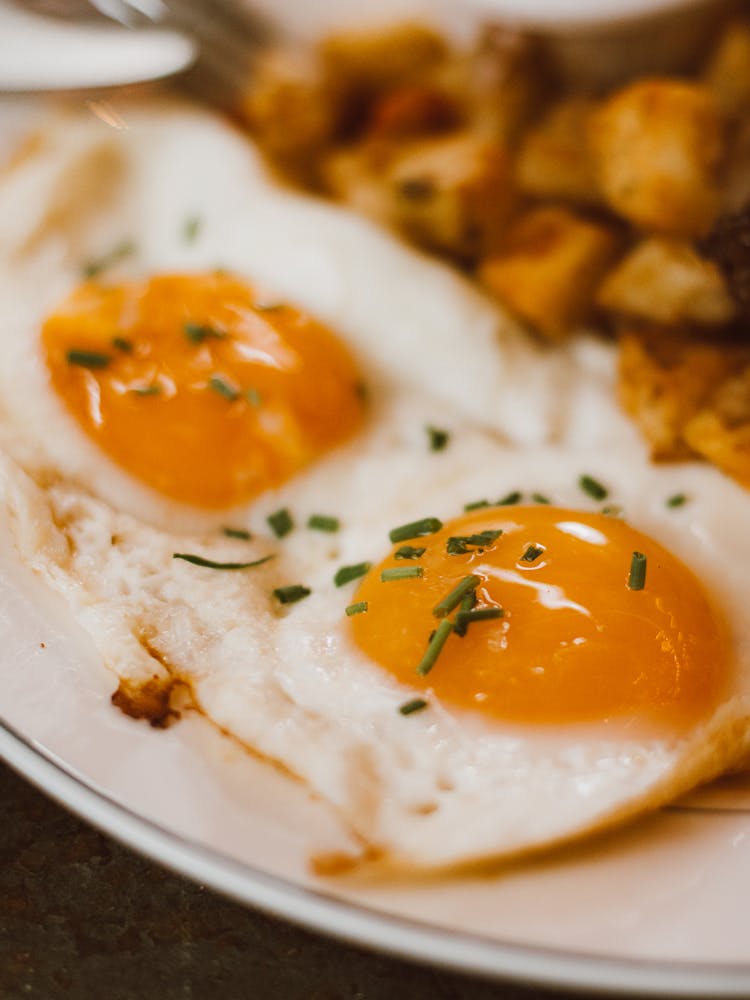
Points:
418	605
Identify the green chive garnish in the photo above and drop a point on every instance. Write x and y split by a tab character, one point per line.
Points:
95	267
348	573
224	388
321	522
88	359
280	522
401	573
612	510
409	552
415	529
415	705
532	553
467	603
147	390
466	618
593	487
358	608
509	498
637	577
453	599
438	438
196	333
540	498
459	544
210	564
253	397
191	228
476	505
678	500
434	647
240	533
291	594
123	344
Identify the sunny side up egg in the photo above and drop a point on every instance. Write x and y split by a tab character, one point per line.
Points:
458	684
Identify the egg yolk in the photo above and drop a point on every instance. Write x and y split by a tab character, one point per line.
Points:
572	643
199	389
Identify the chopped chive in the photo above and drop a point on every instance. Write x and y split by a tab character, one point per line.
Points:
196	333
540	498
466	618
245	536
637	576
509	498
253	397
95	267
453	599
123	344
532	553
88	359
438	438
678	500
210	564
147	390
593	487
280	522
410	707
361	391
434	647
223	387
459	544
191	228
612	510
321	522
291	594
348	573
416	188
467	603
358	608
415	529
409	552
476	505
401	573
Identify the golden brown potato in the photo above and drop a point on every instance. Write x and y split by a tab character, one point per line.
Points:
720	432
657	145
549	268
353	176
453	193
373	60
411	110
665	379
665	281
727	74
554	160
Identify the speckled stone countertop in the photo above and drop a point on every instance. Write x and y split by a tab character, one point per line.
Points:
82	917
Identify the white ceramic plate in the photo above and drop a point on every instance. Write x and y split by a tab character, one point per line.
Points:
657	908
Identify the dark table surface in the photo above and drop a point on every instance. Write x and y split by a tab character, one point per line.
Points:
83	917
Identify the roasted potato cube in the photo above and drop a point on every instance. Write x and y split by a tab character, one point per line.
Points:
735	174
372	60
656	145
352	175
720	432
727	74
665	281
665	377
549	268
412	110
292	108
453	193
554	160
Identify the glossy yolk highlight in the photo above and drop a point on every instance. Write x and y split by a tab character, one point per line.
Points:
574	644
196	388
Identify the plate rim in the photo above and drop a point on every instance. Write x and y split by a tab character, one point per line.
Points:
351	922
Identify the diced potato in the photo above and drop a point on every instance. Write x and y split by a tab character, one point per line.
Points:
665	281
735	180
372	60
727	74
721	430
549	268
353	175
657	145
554	160
453	193
412	110
665	378
292	108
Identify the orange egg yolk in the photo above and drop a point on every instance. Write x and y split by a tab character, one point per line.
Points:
197	388
574	642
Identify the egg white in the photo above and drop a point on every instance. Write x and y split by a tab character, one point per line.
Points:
435	789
